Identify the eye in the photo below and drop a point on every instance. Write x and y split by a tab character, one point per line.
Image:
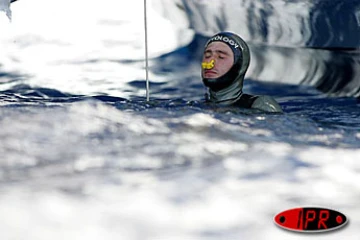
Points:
221	57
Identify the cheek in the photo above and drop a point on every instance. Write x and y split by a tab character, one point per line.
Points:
225	65
228	64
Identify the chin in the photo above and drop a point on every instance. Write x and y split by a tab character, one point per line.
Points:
211	76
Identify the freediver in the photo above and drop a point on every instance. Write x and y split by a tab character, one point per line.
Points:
225	61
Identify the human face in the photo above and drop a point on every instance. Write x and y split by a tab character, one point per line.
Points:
223	56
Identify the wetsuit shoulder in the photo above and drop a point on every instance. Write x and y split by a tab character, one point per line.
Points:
267	104
246	101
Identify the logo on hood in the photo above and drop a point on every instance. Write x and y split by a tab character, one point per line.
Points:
224	39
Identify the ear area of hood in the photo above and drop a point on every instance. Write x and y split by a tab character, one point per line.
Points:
245	53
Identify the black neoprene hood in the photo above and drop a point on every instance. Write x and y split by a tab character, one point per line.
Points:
241	61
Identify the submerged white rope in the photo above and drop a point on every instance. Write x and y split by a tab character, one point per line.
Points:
146	54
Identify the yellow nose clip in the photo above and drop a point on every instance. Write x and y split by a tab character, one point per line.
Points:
208	65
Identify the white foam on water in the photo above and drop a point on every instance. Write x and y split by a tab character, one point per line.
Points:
90	170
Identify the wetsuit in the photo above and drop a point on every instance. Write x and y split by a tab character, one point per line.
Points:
227	89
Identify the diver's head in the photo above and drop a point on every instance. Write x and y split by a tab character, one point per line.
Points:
217	60
225	61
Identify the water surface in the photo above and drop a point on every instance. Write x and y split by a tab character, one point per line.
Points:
84	155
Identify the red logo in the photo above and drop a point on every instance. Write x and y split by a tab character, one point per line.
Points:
310	219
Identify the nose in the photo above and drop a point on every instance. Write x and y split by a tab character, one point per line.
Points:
208	65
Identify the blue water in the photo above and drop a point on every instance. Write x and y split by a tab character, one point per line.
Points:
96	160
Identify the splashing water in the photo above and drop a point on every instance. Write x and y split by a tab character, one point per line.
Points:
5	7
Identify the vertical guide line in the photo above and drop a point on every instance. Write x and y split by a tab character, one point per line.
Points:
146	54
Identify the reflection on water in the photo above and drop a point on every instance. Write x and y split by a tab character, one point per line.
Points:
335	72
297	42
316	24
